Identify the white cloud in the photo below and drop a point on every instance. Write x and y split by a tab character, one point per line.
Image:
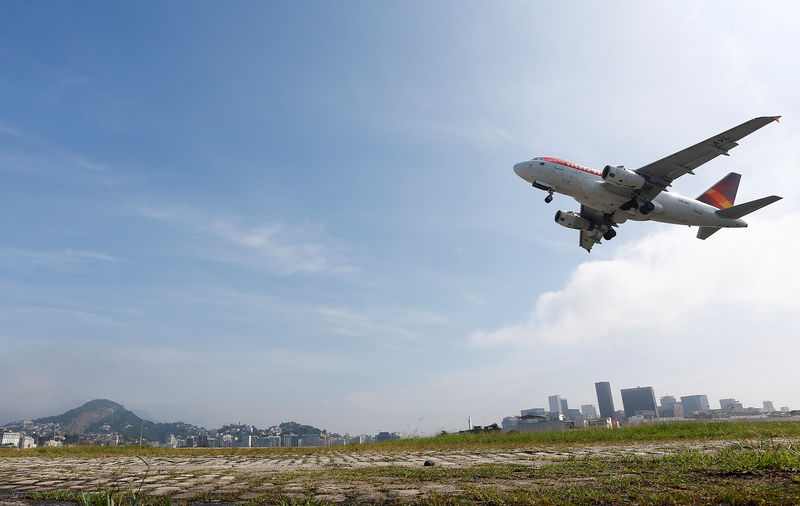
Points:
286	249
275	247
670	284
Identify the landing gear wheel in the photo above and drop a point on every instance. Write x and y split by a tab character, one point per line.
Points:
549	198
610	234
646	208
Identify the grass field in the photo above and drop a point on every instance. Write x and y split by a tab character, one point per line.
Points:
766	474
688	463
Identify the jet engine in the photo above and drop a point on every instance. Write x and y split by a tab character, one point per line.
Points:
571	219
625	178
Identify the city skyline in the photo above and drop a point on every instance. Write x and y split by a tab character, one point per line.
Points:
308	211
639	394
690	405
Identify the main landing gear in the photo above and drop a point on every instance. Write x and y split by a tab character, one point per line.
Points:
644	209
549	197
610	233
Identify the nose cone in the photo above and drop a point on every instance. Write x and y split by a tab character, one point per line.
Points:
520	169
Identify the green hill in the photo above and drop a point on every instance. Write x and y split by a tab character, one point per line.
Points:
104	416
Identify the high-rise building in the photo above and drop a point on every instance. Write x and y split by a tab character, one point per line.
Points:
639	401
730	405
604	400
588	410
670	407
695	404
564	406
668	400
574	415
555	403
533	412
769	407
311	440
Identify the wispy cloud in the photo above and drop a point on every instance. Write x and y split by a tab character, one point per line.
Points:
10	131
63	259
277	247
71	80
58	314
24	152
392	326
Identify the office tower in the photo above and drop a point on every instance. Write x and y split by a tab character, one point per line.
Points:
555	403
564	406
768	407
639	401
604	400
670	407
730	405
695	404
588	411
668	401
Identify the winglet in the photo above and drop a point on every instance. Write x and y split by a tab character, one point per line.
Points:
777	118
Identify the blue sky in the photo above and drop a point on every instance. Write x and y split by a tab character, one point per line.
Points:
267	211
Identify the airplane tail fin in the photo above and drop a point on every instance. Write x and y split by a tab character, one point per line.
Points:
747	208
722	194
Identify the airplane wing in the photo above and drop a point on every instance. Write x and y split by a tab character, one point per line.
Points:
661	173
589	238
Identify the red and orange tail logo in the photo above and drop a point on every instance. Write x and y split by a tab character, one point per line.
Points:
722	194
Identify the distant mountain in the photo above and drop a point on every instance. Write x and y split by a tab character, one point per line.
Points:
102	416
92	416
100	419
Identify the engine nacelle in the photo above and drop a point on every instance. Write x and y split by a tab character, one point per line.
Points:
571	219
625	178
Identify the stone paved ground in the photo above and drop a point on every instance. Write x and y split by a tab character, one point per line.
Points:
232	477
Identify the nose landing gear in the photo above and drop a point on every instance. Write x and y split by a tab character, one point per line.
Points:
549	197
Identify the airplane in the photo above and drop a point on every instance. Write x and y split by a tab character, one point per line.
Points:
617	194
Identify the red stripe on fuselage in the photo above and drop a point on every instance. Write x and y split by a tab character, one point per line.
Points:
570	164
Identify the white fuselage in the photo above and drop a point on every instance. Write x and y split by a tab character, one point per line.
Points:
587	187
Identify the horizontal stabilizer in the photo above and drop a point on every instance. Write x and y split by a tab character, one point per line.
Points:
706	232
740	210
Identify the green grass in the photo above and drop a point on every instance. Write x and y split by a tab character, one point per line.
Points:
679	431
765	473
760	472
